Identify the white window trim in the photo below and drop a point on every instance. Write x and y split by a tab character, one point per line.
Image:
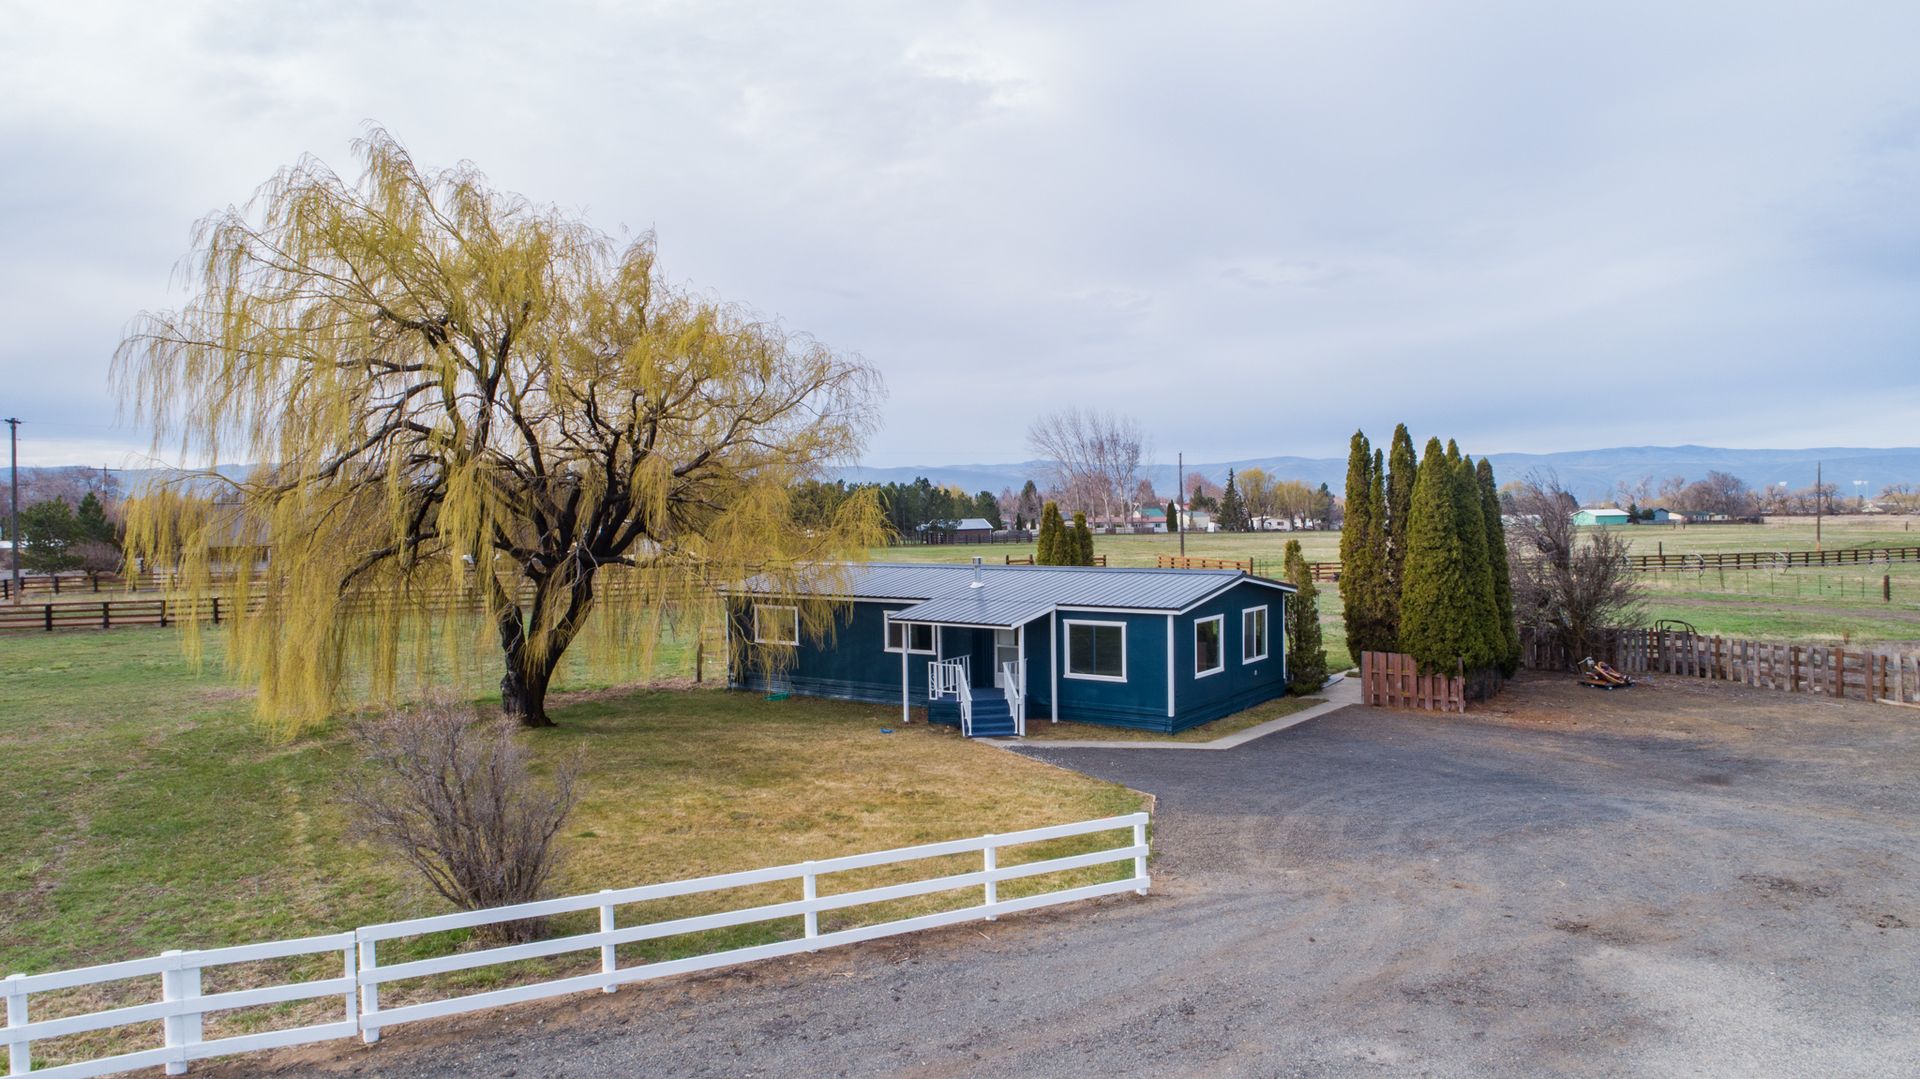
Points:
1211	671
906	637
1266	634
1066	649
792	613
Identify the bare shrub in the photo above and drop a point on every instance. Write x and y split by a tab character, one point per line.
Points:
456	798
1565	589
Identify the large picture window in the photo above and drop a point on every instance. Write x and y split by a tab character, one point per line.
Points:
919	637
776	624
1207	657
1253	634
1097	650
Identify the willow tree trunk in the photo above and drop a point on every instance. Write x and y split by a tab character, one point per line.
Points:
529	669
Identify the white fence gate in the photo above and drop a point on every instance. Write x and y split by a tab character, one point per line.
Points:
181	1007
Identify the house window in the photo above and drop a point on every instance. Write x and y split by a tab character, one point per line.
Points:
1207	657
1253	634
919	636
1097	650
775	624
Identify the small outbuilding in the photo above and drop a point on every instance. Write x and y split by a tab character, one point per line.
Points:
990	647
1600	515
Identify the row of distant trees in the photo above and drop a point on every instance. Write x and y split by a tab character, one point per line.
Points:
69	521
1722	493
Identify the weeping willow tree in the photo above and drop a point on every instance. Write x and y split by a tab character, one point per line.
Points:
463	402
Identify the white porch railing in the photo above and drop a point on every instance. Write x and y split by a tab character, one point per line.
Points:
182	1007
950	678
1013	680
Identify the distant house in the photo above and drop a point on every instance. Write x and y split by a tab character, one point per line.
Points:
1192	520
1153	649
1600	515
1658	515
1150	519
965	530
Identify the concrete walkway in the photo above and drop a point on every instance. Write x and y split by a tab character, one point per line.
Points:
1340	692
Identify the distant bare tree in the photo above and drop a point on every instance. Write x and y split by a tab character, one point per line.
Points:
1565	586
1096	456
454	797
1719	492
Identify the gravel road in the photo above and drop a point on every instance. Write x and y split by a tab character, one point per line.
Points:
1671	880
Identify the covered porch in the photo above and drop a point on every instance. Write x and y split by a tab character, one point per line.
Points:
976	666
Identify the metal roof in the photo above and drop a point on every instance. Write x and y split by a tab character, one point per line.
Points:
1014	595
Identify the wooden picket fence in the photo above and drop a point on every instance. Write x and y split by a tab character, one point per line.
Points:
1393	680
1828	670
1322	571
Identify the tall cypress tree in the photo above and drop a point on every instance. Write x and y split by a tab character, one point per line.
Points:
1441	621
1173	516
1306	652
1232	512
1502	570
1047	553
1402	467
1360	580
1479	606
1082	541
1383	603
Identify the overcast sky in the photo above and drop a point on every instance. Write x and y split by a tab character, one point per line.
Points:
1531	226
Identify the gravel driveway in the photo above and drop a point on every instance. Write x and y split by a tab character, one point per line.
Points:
1673	880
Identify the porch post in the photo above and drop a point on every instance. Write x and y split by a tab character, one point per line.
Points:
1170	664
1053	659
906	638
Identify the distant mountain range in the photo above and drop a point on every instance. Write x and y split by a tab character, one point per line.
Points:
1587	473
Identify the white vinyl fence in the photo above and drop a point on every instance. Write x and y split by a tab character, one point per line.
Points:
181	1006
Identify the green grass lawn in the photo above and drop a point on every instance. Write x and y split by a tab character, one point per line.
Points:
145	809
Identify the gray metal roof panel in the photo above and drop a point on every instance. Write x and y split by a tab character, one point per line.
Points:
974	609
1010	589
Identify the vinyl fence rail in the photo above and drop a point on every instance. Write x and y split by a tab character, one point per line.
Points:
181	1007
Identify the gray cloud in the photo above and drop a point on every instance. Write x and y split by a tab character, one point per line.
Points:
1256	227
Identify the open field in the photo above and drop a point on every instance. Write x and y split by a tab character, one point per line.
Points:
143	809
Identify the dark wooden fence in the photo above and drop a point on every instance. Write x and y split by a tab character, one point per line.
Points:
1393	680
1828	670
1322	571
1705	560
1027	560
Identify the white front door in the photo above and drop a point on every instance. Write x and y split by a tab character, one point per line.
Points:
1006	649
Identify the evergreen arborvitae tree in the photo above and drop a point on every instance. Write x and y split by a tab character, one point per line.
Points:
1047	552
1502	570
1402	468
1442	621
1383	599
1081	541
1361	582
1306	654
1232	512
1173	517
1479	605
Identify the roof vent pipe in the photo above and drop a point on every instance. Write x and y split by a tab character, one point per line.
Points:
976	572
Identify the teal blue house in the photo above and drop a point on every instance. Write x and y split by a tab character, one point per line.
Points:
992	648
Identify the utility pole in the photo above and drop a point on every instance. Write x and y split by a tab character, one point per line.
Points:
13	525
1819	502
1180	497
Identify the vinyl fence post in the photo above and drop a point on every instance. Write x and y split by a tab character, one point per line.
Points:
19	1054
1140	860
608	961
180	983
810	889
992	888
369	991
